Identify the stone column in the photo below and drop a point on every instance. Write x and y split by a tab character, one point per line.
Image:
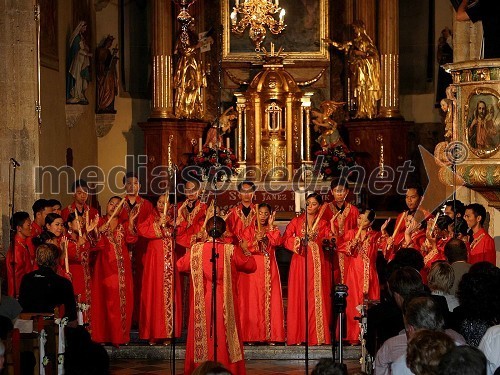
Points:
163	93
19	132
365	11
389	57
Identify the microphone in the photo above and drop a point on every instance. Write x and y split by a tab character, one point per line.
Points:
14	162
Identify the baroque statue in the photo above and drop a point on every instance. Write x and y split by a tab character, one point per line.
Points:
326	125
190	77
78	75
364	65
226	122
107	80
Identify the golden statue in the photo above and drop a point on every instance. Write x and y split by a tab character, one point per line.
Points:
190	76
324	123
364	63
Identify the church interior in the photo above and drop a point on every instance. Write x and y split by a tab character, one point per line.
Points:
288	94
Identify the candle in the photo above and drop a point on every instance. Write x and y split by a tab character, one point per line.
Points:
282	15
297	201
233	17
228	143
200	141
237	3
80	317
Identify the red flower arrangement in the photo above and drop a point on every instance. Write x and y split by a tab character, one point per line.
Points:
207	161
330	161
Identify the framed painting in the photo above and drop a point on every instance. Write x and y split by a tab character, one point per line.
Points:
482	114
49	49
306	25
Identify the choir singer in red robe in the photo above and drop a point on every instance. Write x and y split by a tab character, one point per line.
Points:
200	340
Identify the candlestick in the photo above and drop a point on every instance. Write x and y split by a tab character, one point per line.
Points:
297	201
228	143
200	146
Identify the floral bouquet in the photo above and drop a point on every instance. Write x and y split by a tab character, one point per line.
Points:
330	161
207	161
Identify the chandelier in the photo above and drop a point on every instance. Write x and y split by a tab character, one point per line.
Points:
257	14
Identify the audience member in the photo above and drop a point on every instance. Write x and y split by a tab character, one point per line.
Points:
425	350
43	290
455	251
482	247
419	313
327	366
83	356
440	281
479	305
490	346
386	320
463	360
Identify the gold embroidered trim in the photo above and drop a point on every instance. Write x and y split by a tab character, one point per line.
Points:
168	291
157	228
430	255
233	341
476	241
246	220
341	267
318	292
267	297
365	248
115	239
190	215
199	313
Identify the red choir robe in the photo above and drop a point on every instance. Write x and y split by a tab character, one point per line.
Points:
482	248
189	223
261	301
21	255
432	255
137	248
350	215
112	288
237	222
361	276
399	237
79	268
36	229
319	284
200	345
157	300
72	207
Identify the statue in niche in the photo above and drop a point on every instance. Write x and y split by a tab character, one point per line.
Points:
190	77
78	75
326	125
364	64
107	80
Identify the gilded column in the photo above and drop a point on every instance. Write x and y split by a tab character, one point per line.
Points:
241	108
163	93
389	57
365	11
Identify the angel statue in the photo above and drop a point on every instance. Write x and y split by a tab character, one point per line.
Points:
226	121
324	123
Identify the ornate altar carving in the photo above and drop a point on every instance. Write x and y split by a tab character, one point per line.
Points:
475	93
273	122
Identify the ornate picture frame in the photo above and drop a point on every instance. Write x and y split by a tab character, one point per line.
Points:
307	25
482	122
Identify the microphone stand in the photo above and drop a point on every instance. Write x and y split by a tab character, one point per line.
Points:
305	244
15	164
173	168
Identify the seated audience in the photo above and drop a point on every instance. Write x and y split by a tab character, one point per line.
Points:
42	290
425	350
455	252
463	360
479	305
419	313
327	366
490	346
83	356
440	280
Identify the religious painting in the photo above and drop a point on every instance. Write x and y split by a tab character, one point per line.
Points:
483	122
306	25
49	50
